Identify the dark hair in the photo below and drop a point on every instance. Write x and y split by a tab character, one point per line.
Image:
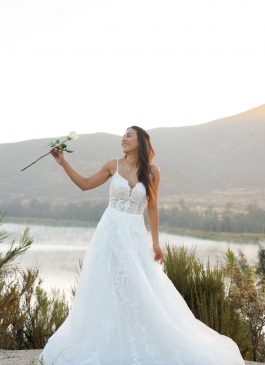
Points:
146	154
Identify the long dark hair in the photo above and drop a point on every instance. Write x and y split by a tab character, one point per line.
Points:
146	154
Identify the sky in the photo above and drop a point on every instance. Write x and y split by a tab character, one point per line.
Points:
102	66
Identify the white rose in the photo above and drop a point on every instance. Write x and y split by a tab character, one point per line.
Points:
73	136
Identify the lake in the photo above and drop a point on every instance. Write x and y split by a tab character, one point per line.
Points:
56	250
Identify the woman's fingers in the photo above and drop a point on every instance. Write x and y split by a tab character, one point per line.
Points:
55	150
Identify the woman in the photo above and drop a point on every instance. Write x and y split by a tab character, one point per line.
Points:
126	311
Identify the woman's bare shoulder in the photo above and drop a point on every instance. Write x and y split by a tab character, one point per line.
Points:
112	165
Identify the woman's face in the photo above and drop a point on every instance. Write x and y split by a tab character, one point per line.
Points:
129	140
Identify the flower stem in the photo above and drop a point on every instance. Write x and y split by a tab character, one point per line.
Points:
45	154
35	161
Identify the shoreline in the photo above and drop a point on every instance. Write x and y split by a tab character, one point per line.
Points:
242	237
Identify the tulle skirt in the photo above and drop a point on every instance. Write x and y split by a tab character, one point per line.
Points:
126	310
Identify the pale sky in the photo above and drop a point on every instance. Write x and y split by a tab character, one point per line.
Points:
102	66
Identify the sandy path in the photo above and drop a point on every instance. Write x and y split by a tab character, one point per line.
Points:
19	357
29	357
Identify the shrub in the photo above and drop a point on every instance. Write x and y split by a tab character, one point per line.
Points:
248	292
29	316
204	290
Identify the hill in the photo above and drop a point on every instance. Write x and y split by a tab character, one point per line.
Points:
214	162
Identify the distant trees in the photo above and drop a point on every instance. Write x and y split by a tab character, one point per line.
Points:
252	220
80	211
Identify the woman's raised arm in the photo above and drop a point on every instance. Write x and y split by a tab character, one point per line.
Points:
84	183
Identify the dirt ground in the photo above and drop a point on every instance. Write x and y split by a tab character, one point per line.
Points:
29	357
19	357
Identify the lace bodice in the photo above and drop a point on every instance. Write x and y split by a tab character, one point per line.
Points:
124	197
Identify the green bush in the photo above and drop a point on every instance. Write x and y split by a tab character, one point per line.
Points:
205	291
246	288
28	316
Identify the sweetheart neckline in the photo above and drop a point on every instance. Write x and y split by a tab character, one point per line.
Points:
138	182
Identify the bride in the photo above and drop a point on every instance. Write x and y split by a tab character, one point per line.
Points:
126	311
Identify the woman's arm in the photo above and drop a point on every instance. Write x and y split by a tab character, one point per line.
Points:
84	183
152	209
153	217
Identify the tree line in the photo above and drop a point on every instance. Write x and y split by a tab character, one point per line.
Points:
252	219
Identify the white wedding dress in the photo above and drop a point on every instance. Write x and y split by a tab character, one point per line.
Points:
126	310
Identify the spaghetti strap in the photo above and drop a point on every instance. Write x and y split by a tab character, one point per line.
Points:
117	165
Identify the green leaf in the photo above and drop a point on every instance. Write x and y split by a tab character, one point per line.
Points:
69	151
63	145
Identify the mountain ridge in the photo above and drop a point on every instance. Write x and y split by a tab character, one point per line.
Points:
223	156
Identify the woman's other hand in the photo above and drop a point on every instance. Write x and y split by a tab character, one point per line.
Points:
159	255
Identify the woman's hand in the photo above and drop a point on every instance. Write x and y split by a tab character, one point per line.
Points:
159	255
58	155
